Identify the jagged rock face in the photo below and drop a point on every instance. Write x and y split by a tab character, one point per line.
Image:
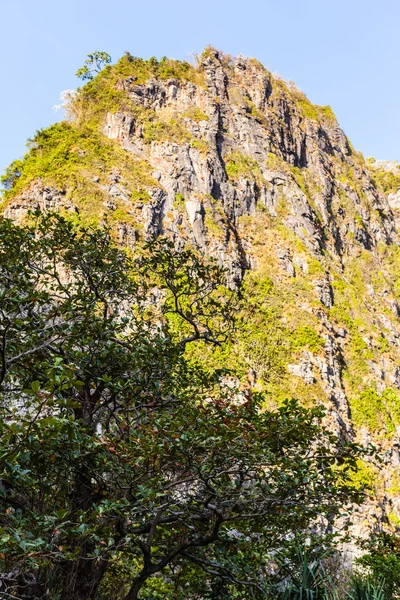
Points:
248	171
319	148
38	197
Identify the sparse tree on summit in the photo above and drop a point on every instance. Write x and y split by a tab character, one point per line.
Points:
93	65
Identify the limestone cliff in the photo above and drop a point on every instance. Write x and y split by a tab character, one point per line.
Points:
229	158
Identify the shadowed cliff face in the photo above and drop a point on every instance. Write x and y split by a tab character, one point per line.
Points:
230	159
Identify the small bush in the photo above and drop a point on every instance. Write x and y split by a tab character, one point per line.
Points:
195	114
306	337
239	165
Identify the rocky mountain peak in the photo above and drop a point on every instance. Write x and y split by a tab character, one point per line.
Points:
231	159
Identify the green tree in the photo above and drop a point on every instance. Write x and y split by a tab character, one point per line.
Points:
121	460
93	65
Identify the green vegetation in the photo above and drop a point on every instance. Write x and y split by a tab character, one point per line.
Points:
308	109
195	114
201	145
106	92
79	161
312	111
127	470
381	561
365	589
386	181
276	162
369	409
180	202
366	477
271	333
306	337
166	68
75	157
366	342
327	113
158	128
255	112
309	580
239	165
379	412
101	95
93	65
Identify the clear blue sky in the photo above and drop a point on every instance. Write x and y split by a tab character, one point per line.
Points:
339	52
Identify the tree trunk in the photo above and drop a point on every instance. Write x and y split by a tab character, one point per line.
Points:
133	593
82	579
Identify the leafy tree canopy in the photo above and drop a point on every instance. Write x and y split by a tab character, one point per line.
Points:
126	470
93	65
